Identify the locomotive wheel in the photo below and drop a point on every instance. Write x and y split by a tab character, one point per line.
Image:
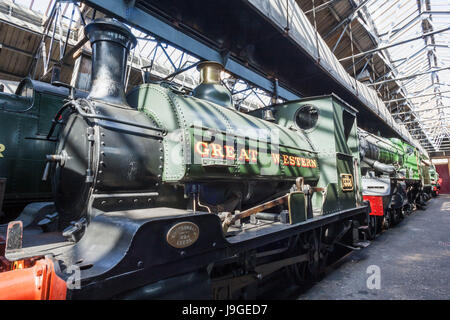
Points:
373	227
309	270
298	273
397	216
386	224
380	221
421	202
400	213
313	269
407	210
298	270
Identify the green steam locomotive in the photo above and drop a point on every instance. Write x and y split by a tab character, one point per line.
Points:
167	194
434	176
395	178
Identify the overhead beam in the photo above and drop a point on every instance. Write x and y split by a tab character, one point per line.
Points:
435	12
23	52
419	96
417	129
340	38
407	77
437	143
422	139
126	11
416	17
5	73
426	120
438	149
420	111
69	55
394	44
346	20
322	6
445	144
431	136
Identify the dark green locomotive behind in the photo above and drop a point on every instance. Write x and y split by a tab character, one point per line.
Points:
26	117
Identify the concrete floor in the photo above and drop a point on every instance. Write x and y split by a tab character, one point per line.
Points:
413	260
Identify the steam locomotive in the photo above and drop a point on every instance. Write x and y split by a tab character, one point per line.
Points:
26	119
434	177
163	194
395	179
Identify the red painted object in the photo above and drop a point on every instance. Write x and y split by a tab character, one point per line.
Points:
444	178
436	190
376	205
29	279
38	282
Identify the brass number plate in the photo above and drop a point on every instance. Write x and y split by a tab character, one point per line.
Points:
346	182
183	234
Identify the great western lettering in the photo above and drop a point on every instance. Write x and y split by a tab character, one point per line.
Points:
218	151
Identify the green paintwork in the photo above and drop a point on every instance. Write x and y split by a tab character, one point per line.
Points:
389	152
410	159
190	120
297	207
335	140
332	143
24	116
426	178
434	176
424	163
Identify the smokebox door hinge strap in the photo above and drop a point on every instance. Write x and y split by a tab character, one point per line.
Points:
91	140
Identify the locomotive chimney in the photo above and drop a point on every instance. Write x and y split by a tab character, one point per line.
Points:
210	87
110	41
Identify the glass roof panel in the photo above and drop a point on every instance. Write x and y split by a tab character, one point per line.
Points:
400	20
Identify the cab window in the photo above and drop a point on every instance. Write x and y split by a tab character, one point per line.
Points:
306	117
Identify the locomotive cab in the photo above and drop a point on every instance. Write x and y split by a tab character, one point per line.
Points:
328	124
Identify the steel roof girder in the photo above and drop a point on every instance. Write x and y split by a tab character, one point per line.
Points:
126	11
